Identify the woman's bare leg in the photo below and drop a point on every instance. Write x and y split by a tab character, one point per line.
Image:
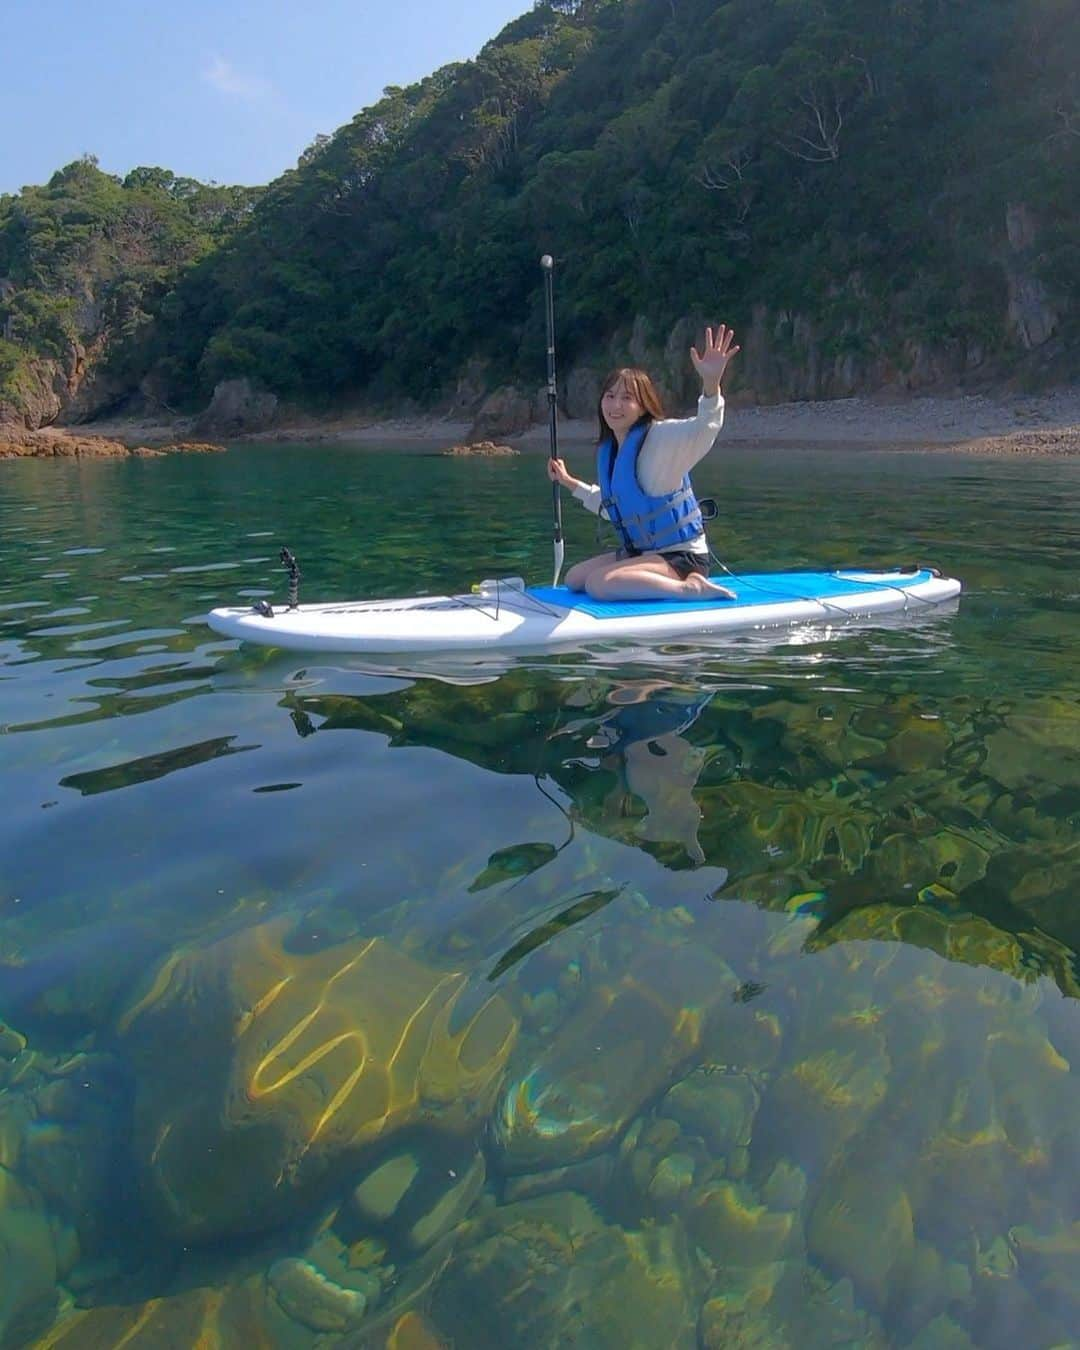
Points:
649	577
577	576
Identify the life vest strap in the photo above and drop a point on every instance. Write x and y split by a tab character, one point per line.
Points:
673	502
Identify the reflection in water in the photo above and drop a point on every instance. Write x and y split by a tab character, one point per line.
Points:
582	908
519	860
148	767
892	817
640	741
702	997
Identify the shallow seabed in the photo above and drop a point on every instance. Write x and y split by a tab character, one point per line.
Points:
717	996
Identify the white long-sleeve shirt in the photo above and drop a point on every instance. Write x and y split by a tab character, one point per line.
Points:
671	449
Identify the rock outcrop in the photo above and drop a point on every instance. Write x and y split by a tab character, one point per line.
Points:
481	449
237	408
16	443
506	412
1032	315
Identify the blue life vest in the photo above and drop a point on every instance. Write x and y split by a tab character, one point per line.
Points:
645	524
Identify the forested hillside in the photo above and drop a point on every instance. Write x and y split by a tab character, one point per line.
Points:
85	262
875	192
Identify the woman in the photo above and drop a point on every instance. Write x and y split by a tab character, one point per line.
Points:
643	463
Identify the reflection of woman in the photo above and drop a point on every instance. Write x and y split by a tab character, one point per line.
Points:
643	463
641	740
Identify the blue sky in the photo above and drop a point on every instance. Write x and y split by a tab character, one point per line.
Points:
231	91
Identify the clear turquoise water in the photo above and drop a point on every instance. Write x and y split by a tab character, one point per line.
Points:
714	996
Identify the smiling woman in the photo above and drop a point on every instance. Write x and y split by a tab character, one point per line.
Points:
643	464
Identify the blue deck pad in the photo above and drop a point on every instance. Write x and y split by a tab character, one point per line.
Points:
751	588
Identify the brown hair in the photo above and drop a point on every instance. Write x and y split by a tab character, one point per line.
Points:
639	385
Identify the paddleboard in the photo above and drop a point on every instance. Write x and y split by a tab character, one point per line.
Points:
508	615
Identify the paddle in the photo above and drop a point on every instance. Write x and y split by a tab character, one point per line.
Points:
548	265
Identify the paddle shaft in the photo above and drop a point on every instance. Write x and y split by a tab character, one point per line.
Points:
548	266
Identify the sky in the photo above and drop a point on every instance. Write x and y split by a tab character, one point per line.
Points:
228	91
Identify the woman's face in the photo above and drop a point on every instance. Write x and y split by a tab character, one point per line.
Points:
619	406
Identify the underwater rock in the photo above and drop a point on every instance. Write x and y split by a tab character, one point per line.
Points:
59	1122
262	1074
1009	1310
620	1049
588	1178
1037	749
835	1079
784	1306
1004	1121
307	1296
942	1334
379	1194
720	1108
785	1187
861	1226
820	1314
12	1043
672	1179
1051	1262
28	1265
300	1303
412	1331
930	1286
216	1318
549	1272
657	1168
742	1038
415	1198
727	1222
448	1210
736	1314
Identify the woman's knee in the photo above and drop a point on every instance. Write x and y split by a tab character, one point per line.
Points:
596	584
576	576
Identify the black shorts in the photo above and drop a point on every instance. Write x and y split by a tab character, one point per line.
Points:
687	564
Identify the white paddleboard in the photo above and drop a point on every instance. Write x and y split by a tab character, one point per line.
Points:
506	615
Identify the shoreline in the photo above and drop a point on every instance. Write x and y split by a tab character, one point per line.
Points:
1044	425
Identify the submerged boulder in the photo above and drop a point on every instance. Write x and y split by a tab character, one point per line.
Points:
550	1272
621	1049
263	1073
57	1143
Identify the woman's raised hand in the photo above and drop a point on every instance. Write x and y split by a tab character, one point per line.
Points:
711	362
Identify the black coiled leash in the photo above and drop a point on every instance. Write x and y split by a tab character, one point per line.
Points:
290	564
